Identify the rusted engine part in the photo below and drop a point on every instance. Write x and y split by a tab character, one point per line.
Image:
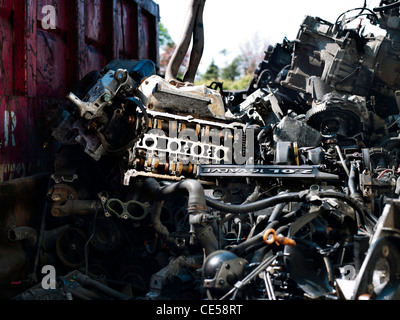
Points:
193	26
198	101
118	126
260	107
346	62
65	202
90	242
99	140
333	114
22	210
97	91
102	93
175	146
106	117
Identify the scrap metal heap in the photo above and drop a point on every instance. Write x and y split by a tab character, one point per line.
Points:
287	190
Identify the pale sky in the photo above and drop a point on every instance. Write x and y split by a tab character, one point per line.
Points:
229	24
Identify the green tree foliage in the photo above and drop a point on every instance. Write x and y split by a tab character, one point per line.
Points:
167	46
165	39
241	83
212	73
231	71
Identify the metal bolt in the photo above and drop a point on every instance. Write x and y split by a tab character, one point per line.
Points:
385	251
218	193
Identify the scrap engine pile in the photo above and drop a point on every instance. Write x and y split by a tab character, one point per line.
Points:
286	190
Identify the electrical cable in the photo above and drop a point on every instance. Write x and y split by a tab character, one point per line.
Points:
362	9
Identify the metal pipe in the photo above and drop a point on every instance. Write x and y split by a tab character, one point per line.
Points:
197	208
342	161
79	207
319	88
198	45
193	25
22	233
194	189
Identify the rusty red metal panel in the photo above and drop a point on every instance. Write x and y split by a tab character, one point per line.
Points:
51	49
6	47
148	29
96	34
39	66
127	19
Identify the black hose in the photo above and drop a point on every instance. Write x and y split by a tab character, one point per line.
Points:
280	198
276	213
192	187
254	206
292	197
363	9
87	281
257	241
